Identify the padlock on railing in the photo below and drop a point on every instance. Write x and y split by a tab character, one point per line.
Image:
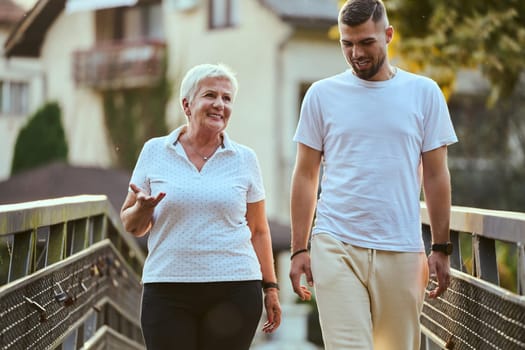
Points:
64	297
60	295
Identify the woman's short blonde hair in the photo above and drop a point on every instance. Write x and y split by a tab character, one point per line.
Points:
196	74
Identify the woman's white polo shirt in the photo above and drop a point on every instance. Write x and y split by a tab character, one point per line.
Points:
199	231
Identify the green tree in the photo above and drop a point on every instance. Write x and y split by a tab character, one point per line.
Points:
41	141
442	36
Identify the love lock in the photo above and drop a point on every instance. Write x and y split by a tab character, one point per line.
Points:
64	297
101	264
70	300
94	271
60	296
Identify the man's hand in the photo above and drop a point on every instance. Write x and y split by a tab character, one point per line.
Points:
439	268
301	265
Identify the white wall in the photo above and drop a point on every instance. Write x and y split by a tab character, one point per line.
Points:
82	111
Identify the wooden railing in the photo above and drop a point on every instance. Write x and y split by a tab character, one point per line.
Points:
69	276
477	312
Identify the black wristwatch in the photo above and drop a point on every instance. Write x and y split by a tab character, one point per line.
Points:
268	285
445	248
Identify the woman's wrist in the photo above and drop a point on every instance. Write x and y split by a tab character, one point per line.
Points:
270	285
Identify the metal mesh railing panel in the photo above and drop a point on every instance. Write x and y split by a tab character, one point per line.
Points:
34	313
468	316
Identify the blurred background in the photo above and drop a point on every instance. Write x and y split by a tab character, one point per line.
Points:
84	83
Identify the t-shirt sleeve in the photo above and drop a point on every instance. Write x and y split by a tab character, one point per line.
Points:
139	177
256	189
438	128
310	127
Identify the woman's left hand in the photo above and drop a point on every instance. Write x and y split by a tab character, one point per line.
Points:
273	310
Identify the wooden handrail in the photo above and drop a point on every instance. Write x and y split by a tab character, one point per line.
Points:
486	227
496	224
476	310
36	234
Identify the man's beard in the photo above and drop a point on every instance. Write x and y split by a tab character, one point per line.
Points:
369	73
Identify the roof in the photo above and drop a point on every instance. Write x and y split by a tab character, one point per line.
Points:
305	13
10	13
28	35
58	179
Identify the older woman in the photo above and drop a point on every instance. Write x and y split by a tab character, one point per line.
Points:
200	196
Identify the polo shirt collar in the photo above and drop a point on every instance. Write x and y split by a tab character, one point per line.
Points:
173	139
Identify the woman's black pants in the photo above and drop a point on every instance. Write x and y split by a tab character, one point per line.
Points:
201	316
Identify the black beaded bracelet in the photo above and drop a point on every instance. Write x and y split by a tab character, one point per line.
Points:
298	252
268	285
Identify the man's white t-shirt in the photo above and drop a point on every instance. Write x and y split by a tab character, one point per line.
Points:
199	231
372	135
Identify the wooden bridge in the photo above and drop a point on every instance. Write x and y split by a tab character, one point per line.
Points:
70	279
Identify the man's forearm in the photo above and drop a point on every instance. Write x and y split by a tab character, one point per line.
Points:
438	200
303	202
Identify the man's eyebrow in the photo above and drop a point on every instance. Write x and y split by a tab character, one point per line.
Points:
360	41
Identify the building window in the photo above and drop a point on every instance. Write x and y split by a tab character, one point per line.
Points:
14	97
137	23
143	22
223	13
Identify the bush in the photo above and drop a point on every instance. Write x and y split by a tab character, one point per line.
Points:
41	141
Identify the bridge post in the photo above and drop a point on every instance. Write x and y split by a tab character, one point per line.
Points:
521	269
484	259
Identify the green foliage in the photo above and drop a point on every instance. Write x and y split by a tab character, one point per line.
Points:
133	116
443	35
41	141
484	154
506	259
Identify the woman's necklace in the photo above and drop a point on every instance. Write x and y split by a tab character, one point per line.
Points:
205	158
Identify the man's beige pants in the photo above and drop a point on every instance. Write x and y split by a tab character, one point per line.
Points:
368	299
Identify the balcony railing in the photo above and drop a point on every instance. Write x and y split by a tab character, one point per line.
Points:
121	65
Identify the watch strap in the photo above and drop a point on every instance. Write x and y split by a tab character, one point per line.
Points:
445	248
268	285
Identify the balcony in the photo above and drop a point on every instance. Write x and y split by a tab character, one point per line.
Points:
121	65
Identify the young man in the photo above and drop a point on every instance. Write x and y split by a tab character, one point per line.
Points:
380	133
